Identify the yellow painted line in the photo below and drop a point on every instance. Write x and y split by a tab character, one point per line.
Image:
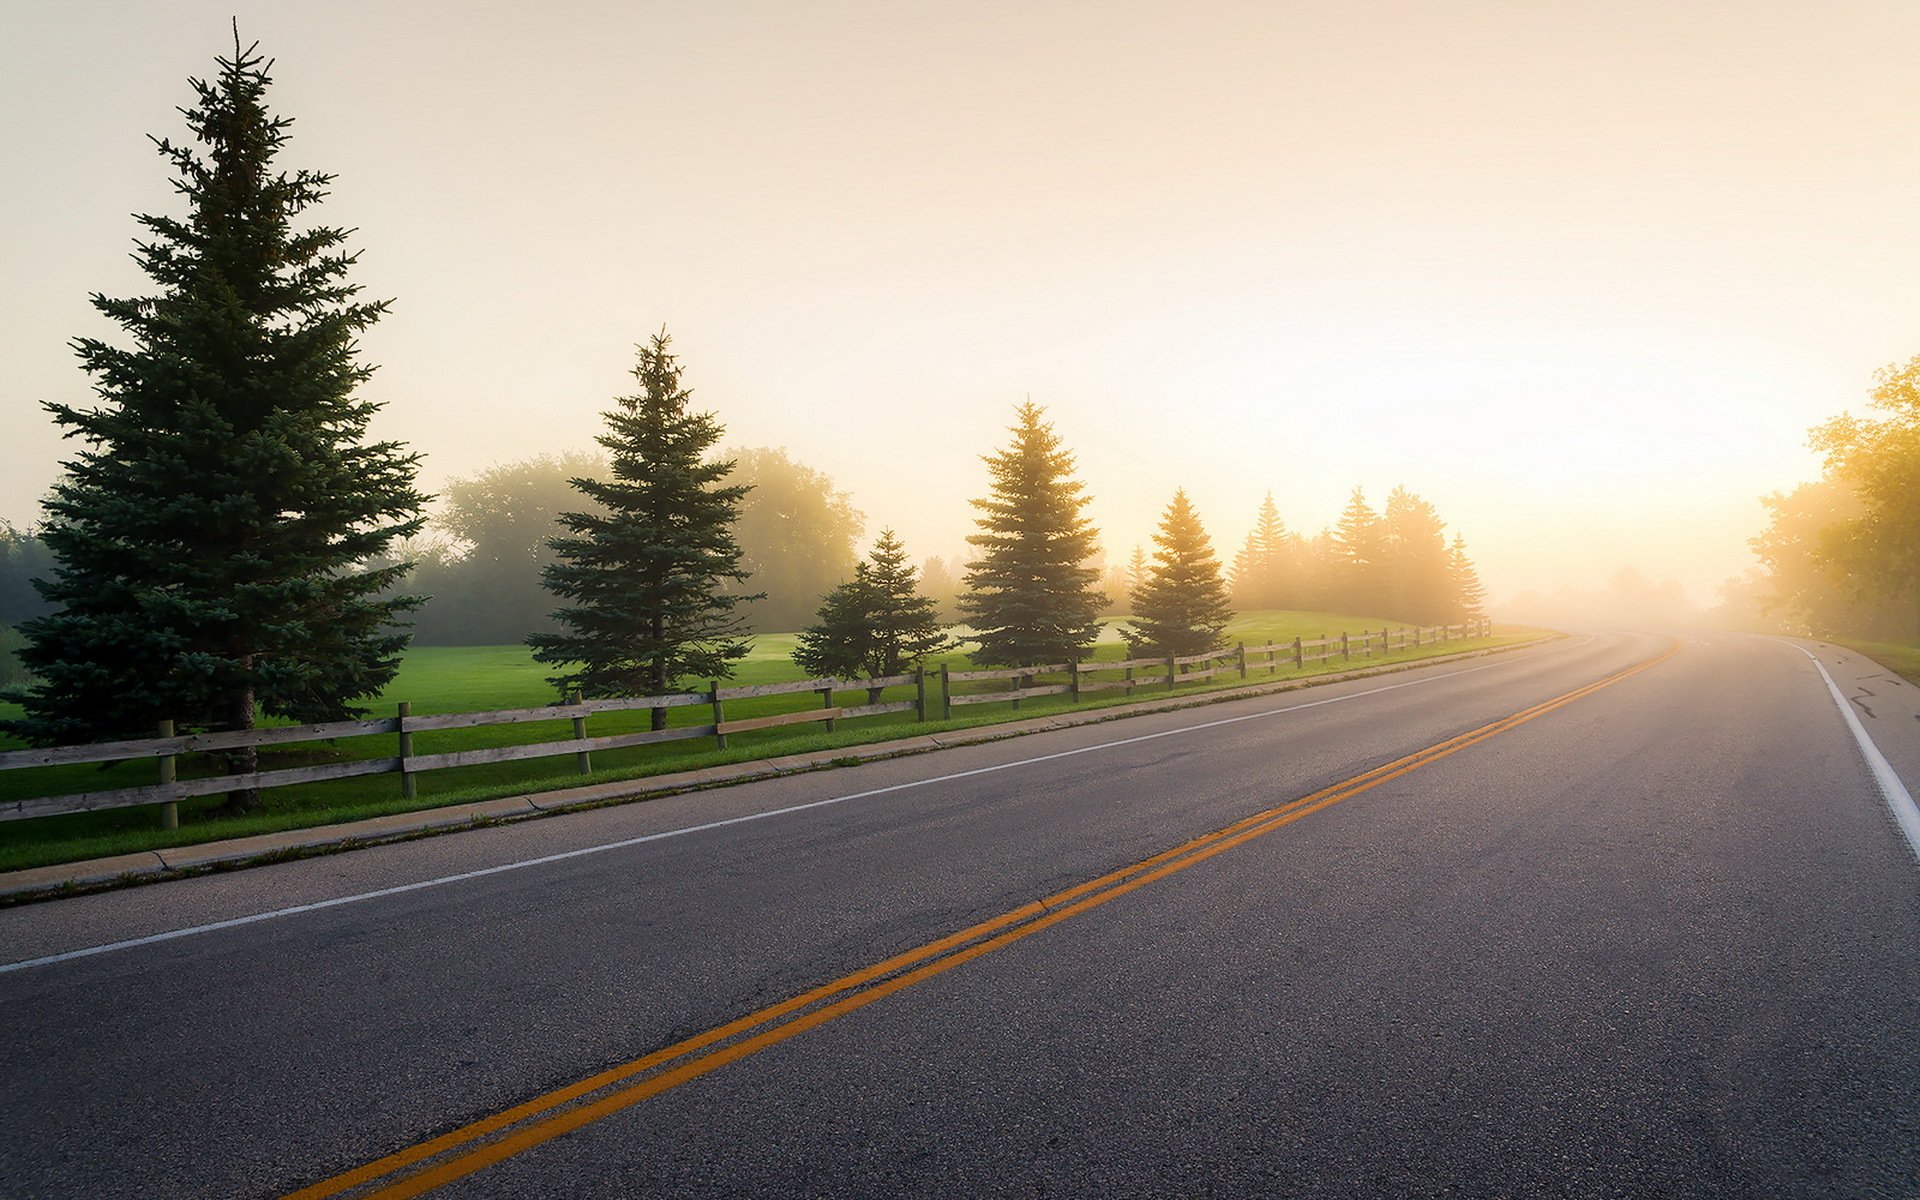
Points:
933	958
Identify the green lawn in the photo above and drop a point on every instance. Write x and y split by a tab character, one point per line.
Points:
1902	659
443	679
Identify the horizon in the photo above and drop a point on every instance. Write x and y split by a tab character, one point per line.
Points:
1591	323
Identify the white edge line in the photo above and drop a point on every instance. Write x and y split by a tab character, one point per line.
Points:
624	843
1905	814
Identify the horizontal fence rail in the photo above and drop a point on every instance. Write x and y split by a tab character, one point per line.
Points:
962	688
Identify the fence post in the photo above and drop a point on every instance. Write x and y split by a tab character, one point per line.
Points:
1386	641
1241	650
1073	681
1299	655
408	785
582	760
719	713
826	701
920	694
1346	647
169	809
1173	672
946	692
1015	684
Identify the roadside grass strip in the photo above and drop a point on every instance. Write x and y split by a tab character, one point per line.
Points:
454	1155
1900	805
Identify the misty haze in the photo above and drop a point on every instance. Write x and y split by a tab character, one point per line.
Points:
895	600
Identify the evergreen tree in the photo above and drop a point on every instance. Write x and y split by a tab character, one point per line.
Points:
1469	598
1182	608
1030	598
212	536
647	570
1358	546
1137	571
1261	568
876	624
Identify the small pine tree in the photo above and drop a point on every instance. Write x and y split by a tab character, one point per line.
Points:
1469	598
1137	570
1030	597
1182	608
876	624
647	571
214	536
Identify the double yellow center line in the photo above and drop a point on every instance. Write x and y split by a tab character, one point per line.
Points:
438	1161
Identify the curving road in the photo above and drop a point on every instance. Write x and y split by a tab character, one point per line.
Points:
1621	915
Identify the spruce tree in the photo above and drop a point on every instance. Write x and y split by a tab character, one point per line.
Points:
1182	607
213	535
876	624
1469	598
1137	570
1030	596
1358	551
1260	569
646	572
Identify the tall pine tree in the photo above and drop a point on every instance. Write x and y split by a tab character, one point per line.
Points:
1030	597
213	532
646	573
1262	569
876	624
1358	544
1182	607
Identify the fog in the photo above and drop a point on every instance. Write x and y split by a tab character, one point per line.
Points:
1581	275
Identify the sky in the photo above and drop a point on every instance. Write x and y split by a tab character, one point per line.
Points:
1580	274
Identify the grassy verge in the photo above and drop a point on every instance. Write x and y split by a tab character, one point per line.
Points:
1902	659
466	679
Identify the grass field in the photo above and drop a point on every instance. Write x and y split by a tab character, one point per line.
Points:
1902	659
446	679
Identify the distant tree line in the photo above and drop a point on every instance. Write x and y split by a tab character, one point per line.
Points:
1397	563
1841	555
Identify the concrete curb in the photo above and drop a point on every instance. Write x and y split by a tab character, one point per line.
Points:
149	866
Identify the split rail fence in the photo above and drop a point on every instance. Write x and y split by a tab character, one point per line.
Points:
956	689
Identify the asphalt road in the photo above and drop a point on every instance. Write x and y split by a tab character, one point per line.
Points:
1662	939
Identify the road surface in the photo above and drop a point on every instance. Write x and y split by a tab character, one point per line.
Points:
1620	915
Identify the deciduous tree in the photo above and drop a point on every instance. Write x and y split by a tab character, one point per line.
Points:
1415	584
796	533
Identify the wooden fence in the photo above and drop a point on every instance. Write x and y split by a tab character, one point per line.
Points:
957	688
1080	678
